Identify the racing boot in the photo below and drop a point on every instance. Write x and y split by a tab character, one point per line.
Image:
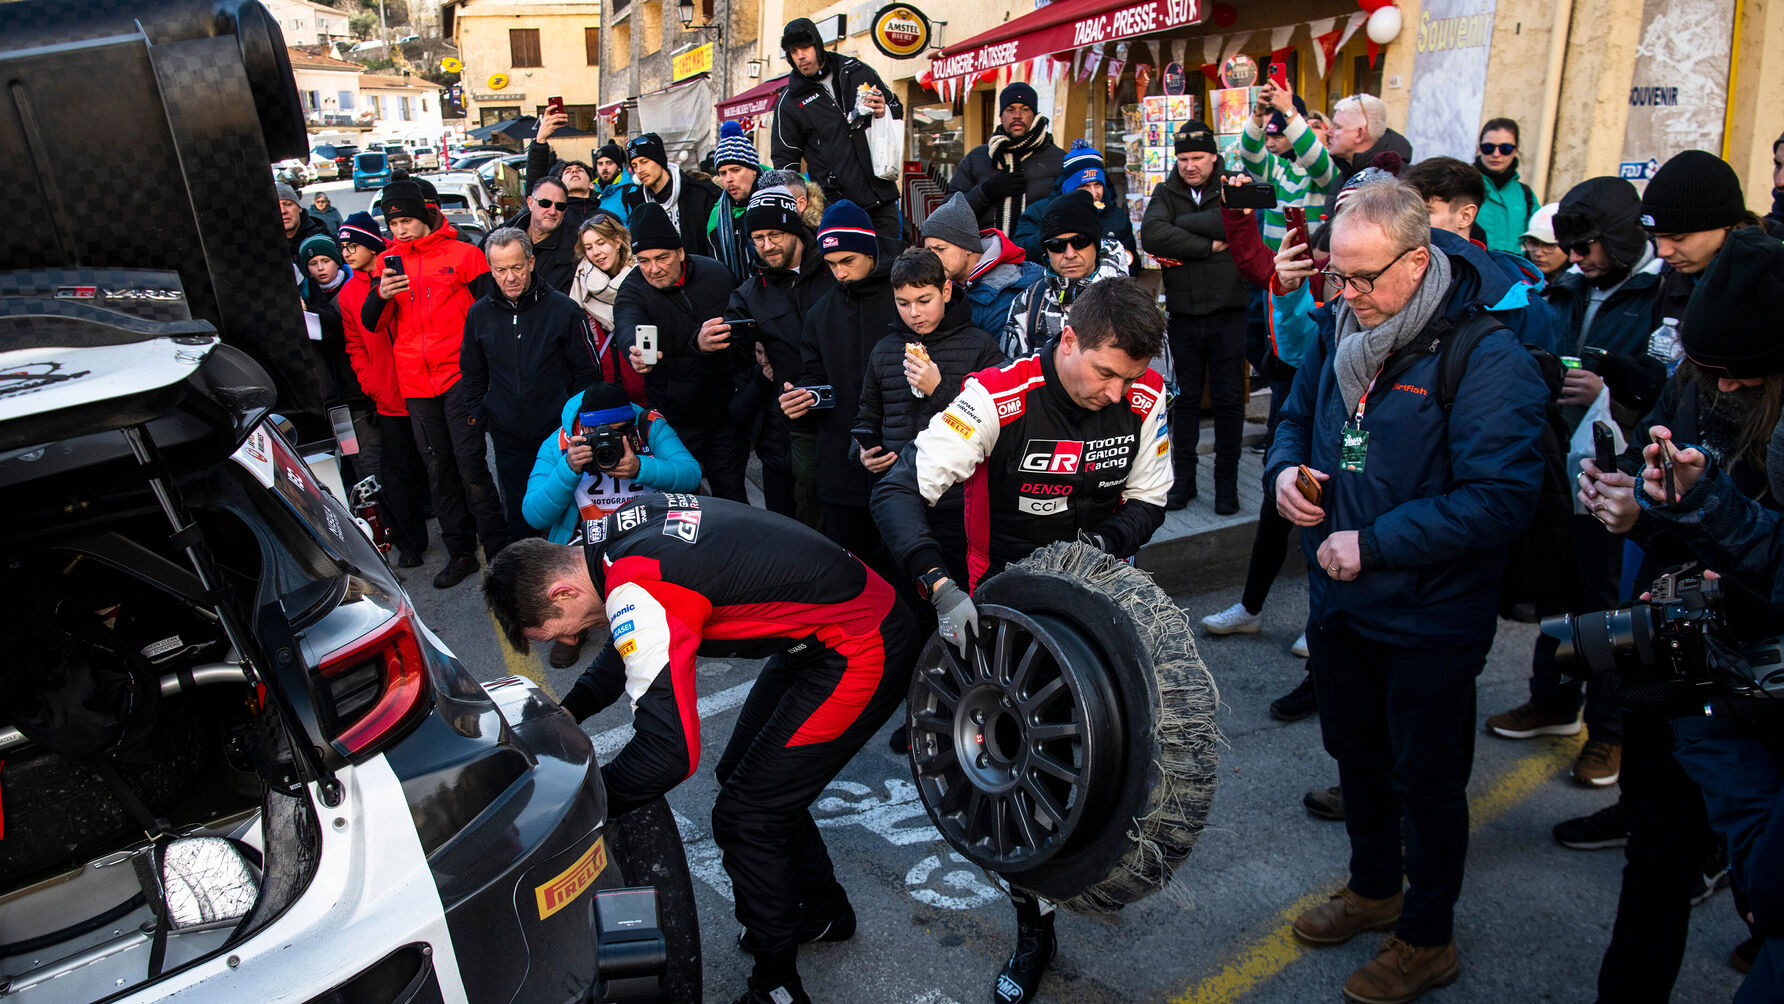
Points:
1035	948
827	917
775	980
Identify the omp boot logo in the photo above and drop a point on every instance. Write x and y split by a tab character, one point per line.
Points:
1053	456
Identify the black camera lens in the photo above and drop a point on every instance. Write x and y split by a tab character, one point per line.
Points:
610	448
1620	641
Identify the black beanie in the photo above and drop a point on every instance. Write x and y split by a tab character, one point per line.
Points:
612	152
801	31
651	229
1744	281
1071	213
649	146
1196	137
404	198
1018	93
1607	210
1693	191
773	209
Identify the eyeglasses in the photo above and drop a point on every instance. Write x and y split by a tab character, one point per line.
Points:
1057	245
1503	149
1583	248
548	204
1363	284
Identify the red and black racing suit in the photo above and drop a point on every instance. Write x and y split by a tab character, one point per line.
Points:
1037	467
684	576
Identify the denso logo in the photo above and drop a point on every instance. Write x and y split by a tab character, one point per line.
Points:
1053	456
1044	488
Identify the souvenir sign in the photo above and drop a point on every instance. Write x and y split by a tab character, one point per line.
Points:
1239	71
1174	81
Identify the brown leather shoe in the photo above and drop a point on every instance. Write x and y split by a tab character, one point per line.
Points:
1401	972
1346	915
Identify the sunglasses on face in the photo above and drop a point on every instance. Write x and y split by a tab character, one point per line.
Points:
548	204
1056	245
1582	249
1503	149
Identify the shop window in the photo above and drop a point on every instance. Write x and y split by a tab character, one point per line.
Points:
1366	79
491	114
591	44
939	136
523	47
1121	114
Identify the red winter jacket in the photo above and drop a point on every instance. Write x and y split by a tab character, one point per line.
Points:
371	353
429	317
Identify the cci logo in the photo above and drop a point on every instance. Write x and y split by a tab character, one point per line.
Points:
1053	456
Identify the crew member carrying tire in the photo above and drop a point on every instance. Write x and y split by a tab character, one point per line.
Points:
1070	443
677	576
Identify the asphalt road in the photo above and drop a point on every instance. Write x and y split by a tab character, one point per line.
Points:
1532	923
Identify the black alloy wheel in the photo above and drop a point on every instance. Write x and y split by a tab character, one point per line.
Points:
1017	746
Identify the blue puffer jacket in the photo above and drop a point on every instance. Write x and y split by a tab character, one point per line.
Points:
614	197
1440	495
1002	272
550	502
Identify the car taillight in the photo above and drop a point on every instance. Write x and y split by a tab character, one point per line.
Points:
376	684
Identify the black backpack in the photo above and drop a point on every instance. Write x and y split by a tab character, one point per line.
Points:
1538	565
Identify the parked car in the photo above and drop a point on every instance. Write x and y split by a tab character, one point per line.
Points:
398	155
463	202
239	766
297	171
341	153
426	158
370	170
475	159
323	168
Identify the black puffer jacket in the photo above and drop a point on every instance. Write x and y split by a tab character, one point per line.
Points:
779	299
522	360
840	330
956	347
809	123
1176	226
691	388
1041	166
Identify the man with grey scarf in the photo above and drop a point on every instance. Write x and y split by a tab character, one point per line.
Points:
1407	507
1017	167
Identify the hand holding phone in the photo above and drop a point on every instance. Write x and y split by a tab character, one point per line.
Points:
1249	195
645	340
1296	218
393	263
1279	77
823	395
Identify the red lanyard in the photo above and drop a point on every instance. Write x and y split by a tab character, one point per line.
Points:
1363	402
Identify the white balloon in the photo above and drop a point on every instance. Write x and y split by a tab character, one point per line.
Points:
1384	25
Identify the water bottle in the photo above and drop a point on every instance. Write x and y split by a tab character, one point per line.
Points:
1664	344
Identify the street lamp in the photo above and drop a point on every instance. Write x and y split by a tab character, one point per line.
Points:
684	9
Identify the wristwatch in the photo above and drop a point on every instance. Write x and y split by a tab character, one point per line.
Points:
930	579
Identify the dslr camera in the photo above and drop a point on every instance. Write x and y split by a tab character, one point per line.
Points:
607	440
1673	651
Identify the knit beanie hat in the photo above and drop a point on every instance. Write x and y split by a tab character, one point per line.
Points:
287	193
1083	164
1607	210
608	403
318	244
405	198
847	227
955	222
1385	167
773	208
1195	137
651	229
611	151
734	148
1071	213
1278	123
1745	280
648	146
1018	93
1693	191
360	229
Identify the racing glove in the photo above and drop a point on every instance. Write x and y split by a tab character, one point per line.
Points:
957	618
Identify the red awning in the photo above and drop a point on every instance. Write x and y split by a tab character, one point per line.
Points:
1061	26
755	101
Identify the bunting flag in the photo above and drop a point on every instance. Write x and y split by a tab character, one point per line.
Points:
1210	48
1093	61
1115	67
1351	27
1374	51
1234	45
1320	25
1279	37
1212	72
1325	45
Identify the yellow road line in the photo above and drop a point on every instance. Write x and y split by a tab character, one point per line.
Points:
522	665
1270	954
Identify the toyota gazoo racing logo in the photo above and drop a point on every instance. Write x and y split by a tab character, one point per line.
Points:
683	524
1053	456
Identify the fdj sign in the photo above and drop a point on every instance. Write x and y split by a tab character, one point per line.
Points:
900	31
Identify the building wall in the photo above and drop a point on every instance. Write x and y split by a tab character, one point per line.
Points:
481	33
327	84
424	110
307	23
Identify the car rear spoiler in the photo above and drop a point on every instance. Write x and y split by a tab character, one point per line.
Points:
138	136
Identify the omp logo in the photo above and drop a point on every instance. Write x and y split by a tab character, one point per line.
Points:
1013	406
1143	398
1053	456
1041	506
628	519
570	883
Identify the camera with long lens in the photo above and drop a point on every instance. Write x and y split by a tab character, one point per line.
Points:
1672	651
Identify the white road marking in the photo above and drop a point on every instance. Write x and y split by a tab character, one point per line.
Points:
705	861
956	874
614	739
881	815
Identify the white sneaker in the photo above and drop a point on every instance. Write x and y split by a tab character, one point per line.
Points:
1233	620
1300	646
